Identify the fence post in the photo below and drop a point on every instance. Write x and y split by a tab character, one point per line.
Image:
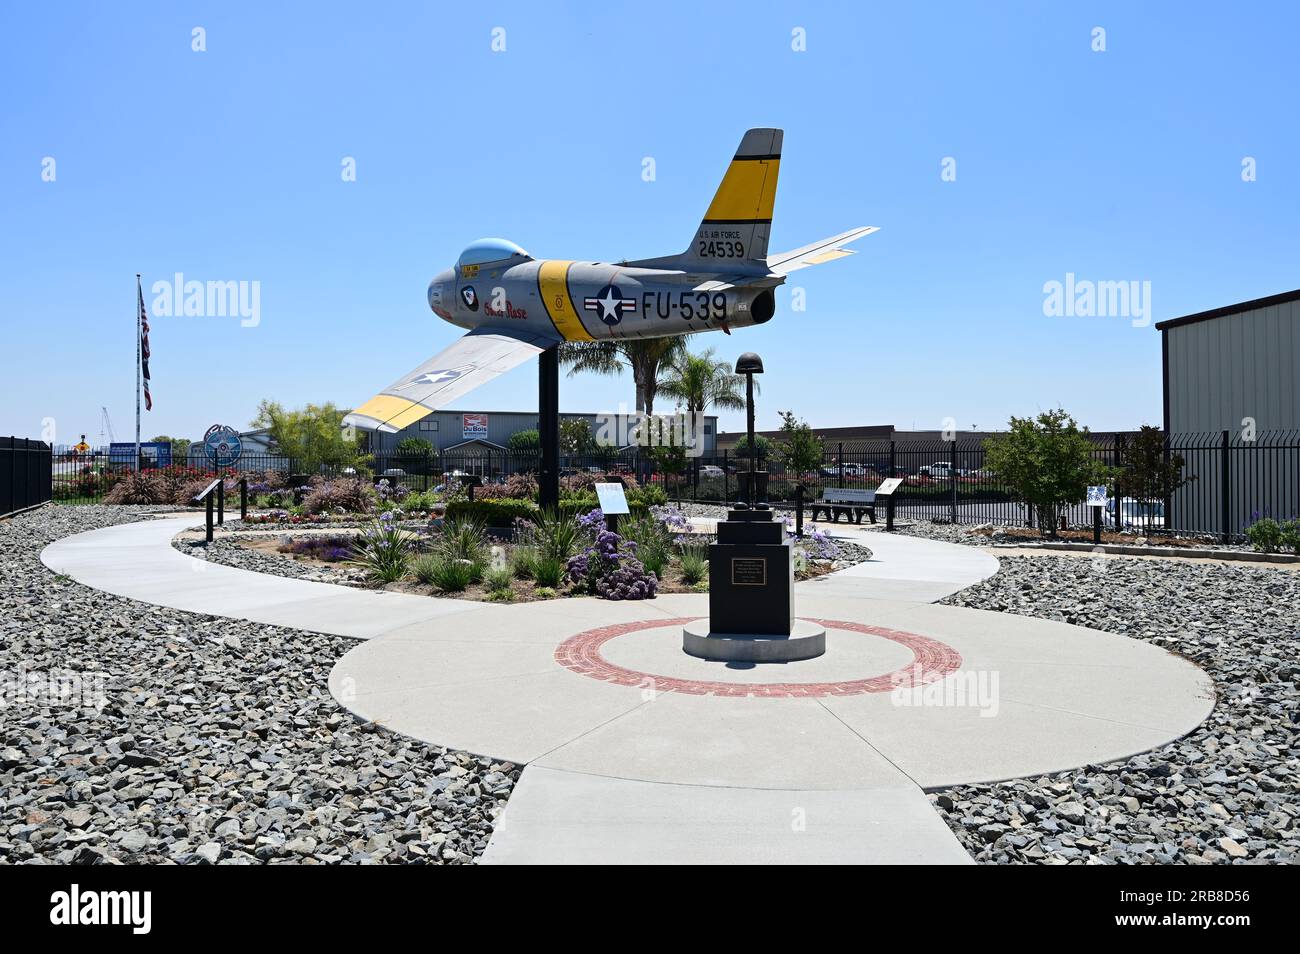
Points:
840	457
952	479
243	498
1225	480
221	500
726	479
798	511
889	500
208	519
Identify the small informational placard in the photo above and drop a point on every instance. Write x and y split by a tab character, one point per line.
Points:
748	571
612	499
888	486
1097	496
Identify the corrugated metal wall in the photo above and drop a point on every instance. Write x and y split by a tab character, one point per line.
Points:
1221	371
1241	365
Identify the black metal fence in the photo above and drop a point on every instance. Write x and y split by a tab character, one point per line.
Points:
25	474
1231	481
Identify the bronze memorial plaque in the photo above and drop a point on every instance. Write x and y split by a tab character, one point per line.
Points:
749	571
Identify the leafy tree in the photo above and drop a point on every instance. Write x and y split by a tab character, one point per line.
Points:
1048	461
763	445
700	381
415	446
1147	474
527	441
313	436
799	449
418	455
644	356
575	436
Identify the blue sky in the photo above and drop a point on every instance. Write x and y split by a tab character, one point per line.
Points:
1123	165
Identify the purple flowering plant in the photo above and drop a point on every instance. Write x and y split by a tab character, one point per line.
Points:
607	566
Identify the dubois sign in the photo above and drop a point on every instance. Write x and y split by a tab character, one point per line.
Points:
473	425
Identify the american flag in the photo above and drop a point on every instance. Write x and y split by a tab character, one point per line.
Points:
144	347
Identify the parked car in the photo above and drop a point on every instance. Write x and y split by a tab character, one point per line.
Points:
711	470
393	472
1135	514
941	470
847	468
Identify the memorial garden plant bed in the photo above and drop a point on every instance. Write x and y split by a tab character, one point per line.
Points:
412	556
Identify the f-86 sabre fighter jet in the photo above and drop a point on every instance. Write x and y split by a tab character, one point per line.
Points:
515	306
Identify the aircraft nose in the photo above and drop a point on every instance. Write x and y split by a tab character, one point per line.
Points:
441	290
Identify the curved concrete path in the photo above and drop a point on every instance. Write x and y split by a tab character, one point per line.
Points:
638	753
137	560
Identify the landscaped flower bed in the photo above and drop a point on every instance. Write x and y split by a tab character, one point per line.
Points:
547	556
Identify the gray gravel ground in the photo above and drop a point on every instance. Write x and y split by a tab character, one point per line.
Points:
1227	792
215	741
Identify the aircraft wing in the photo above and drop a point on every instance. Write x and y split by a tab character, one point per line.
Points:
472	360
826	250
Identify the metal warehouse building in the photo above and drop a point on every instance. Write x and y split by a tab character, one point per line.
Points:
1232	407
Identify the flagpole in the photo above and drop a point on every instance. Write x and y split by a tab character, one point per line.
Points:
138	296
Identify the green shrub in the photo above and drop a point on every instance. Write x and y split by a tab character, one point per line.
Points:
650	495
383	552
498	578
575	505
448	575
695	563
463	539
418	500
498	512
1265	535
548	571
544	592
523	562
654	544
1291	536
554	534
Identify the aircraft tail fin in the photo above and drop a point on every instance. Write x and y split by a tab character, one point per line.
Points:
736	226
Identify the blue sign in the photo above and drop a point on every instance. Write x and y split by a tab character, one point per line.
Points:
152	454
222	445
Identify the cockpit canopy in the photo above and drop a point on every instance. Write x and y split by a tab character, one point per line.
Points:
489	251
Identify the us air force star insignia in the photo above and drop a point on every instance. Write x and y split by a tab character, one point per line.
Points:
433	377
609	304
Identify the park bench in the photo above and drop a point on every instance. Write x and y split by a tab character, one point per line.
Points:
853	501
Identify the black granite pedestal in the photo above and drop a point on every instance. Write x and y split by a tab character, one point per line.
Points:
751	595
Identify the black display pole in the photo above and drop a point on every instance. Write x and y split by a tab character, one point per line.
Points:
548	427
749	434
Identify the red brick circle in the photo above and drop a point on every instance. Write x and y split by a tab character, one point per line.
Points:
932	661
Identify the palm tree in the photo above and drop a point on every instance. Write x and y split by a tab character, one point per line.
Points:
700	381
645	356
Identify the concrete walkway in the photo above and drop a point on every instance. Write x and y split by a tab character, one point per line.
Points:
137	560
636	752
